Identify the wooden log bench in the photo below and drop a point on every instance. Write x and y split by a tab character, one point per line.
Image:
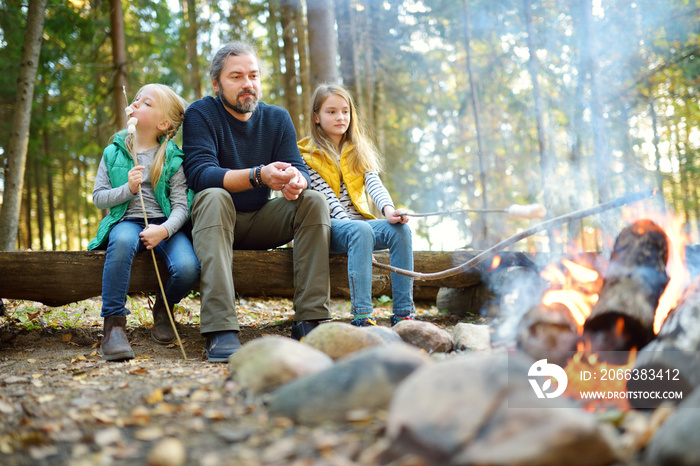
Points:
56	278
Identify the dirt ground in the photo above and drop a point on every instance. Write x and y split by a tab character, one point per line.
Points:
60	403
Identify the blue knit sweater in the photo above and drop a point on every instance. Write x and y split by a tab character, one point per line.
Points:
214	142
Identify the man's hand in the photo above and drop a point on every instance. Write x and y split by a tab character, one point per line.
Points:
152	235
281	176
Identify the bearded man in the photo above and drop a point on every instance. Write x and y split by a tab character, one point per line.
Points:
237	151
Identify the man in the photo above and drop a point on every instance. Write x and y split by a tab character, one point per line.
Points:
238	149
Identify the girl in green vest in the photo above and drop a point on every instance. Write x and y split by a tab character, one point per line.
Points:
344	165
156	114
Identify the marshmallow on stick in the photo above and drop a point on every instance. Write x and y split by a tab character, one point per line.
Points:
527	210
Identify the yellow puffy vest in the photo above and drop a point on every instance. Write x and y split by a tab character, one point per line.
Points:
324	166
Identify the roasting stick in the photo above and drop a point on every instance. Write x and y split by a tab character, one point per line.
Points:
516	210
487	254
131	128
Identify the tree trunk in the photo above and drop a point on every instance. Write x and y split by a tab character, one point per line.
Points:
116	19
301	28
195	74
27	208
39	192
290	69
322	41
19	135
46	149
545	162
477	127
347	40
62	277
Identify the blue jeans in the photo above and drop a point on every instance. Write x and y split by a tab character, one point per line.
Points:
359	238
124	243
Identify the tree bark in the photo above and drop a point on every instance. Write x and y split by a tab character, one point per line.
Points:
302	43
62	277
290	69
477	127
347	47
623	317
323	50
545	162
116	19
195	74
19	135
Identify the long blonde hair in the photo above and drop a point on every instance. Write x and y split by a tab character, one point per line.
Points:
172	108
365	157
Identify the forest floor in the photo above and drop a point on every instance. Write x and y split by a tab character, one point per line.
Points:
60	403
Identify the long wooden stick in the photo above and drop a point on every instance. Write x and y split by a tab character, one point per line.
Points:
153	253
620	201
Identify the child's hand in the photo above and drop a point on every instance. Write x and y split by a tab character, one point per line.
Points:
396	216
152	235
135	178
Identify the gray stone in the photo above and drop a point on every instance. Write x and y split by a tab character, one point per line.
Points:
365	380
338	339
677	441
425	335
385	333
471	337
266	363
457	412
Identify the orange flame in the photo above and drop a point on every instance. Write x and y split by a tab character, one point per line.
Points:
676	269
495	262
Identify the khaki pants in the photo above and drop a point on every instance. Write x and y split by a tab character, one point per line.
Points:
218	228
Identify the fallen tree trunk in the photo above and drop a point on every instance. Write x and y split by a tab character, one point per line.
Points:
623	317
672	361
56	278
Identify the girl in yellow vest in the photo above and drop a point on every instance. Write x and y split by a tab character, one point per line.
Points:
344	166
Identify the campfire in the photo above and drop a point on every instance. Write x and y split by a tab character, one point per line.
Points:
624	327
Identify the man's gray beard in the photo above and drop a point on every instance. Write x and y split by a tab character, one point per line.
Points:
247	107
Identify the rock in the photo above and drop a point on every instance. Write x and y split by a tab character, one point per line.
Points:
365	380
471	337
386	334
167	452
463	301
457	412
425	335
677	441
338	339
265	363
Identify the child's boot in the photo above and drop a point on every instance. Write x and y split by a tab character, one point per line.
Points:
162	331
115	346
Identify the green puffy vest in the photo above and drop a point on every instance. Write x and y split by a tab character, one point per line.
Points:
118	161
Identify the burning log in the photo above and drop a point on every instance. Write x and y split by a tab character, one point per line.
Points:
672	361
623	317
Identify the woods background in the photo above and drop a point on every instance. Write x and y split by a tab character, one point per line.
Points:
474	103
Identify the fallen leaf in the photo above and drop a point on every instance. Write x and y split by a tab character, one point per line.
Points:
155	396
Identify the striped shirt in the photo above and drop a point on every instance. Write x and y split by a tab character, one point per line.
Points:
341	206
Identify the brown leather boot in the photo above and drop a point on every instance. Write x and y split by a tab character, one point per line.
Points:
162	331
115	346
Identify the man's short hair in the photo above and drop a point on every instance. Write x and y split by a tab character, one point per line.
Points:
236	48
